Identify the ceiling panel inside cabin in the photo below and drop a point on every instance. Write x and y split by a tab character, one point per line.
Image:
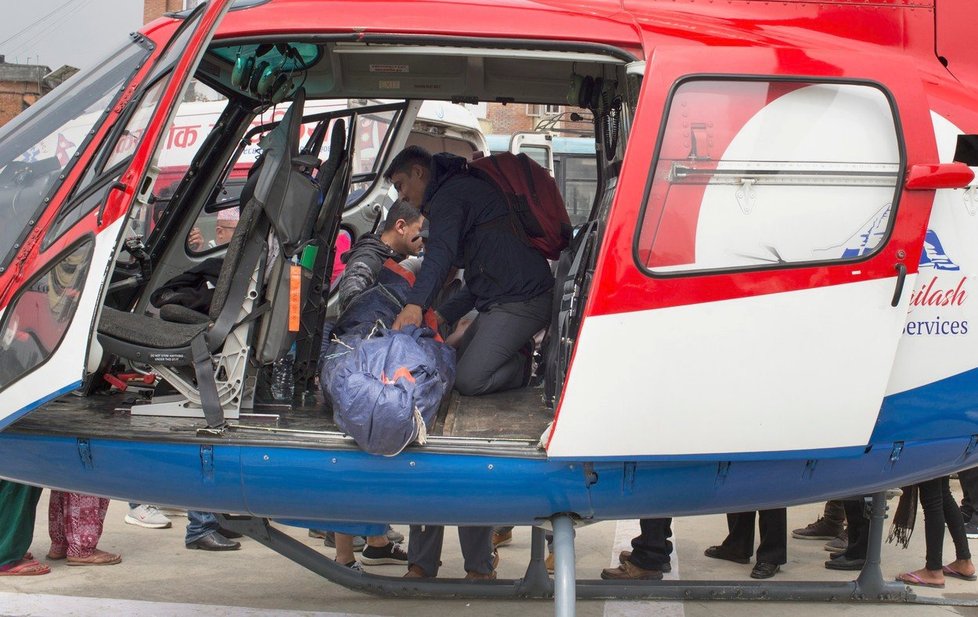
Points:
351	70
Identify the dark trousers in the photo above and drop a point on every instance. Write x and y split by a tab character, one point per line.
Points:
858	526
425	542
489	358
969	486
834	512
940	509
651	549
773	525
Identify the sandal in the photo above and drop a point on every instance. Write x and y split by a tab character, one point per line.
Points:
24	567
57	555
949	571
910	578
98	558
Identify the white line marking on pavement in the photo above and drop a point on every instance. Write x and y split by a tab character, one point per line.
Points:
624	532
46	605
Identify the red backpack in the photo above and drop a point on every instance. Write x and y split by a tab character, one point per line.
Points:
537	211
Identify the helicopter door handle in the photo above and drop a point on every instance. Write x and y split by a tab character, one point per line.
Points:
115	186
901	279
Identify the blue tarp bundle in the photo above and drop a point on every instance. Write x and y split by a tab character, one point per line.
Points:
386	388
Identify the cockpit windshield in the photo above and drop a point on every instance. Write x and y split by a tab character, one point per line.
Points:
39	144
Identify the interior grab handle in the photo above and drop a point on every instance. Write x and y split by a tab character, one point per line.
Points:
901	279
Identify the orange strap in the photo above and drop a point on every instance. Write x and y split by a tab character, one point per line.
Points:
400	270
295	297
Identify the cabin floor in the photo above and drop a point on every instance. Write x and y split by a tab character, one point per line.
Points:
513	415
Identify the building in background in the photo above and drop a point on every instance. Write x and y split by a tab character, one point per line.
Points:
522	118
22	84
156	8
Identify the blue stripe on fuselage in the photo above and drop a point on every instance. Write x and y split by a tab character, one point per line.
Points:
944	409
426	487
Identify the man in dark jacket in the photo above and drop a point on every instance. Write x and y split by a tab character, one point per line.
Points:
400	238
507	281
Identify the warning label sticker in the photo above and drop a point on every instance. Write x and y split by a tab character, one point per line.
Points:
390	68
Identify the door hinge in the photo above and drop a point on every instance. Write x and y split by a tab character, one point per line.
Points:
746	197
207	463
590	476
809	469
628	479
723	470
972	446
970	200
894	454
85	453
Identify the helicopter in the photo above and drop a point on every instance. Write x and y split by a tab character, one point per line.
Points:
768	304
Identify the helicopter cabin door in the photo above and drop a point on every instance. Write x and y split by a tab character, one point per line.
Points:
70	168
756	270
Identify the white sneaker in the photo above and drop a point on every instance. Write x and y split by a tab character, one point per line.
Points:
147	516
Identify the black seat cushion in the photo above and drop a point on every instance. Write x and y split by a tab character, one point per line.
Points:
181	314
147	331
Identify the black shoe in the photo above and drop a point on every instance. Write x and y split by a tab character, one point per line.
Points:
214	542
764	570
391	554
722	552
844	563
230	535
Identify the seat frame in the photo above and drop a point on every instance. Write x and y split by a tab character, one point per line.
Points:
219	354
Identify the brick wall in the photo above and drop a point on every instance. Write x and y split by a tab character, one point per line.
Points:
511	118
15	97
515	118
155	8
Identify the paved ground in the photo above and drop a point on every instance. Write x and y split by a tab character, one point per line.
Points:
158	576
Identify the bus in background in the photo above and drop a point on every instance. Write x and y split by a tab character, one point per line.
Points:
571	160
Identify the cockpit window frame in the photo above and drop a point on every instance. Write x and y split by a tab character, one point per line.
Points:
137	42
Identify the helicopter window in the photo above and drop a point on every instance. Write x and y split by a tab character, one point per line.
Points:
576	175
39	144
115	153
372	139
373	132
125	145
38	318
766	173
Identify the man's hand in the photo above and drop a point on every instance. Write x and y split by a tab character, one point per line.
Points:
409	315
196	240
